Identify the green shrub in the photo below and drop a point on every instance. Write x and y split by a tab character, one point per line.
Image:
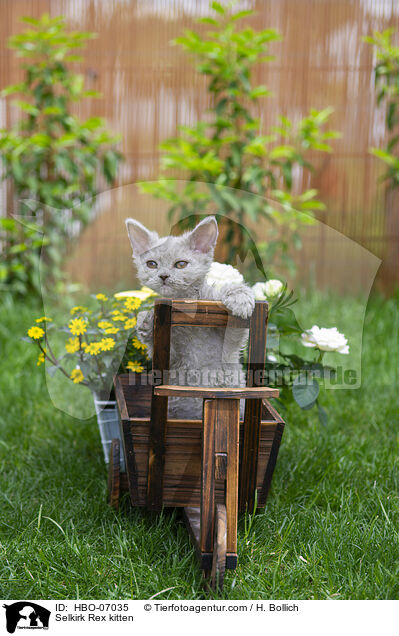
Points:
387	85
54	160
249	174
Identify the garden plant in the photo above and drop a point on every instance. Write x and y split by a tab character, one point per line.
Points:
249	173
98	341
54	161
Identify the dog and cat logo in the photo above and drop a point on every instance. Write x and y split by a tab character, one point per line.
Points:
26	615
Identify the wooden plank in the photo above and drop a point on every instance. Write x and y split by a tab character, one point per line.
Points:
192	516
219	392
269	413
114	474
120	398
204	313
208	476
271	464
159	406
182	471
137	392
253	408
131	465
229	412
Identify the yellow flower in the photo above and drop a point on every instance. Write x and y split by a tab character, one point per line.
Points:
130	323
138	345
94	348
77	376
135	366
43	319
120	317
107	344
101	297
72	345
132	303
40	359
36	333
143	293
77	326
112	330
78	309
104	324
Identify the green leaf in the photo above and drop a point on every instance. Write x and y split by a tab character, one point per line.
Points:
27	108
232	199
305	393
259	91
241	14
110	165
208	21
216	6
13	88
30	20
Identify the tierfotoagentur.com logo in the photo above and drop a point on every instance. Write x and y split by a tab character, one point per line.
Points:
26	615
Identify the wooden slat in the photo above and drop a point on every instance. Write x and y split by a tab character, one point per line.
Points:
191	516
204	313
131	464
208	476
137	393
182	472
220	436
271	464
229	418
204	392
159	406
120	398
253	408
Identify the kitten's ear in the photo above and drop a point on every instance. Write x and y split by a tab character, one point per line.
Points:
204	235
140	238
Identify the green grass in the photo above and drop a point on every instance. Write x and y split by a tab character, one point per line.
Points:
329	530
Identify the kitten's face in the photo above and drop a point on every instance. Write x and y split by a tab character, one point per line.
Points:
174	266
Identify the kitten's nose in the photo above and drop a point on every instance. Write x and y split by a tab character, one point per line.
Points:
164	277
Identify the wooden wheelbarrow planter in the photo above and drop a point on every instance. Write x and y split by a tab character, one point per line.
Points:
212	468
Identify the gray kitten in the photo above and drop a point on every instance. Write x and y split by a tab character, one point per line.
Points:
176	267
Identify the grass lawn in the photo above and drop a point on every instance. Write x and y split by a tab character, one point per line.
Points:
329	530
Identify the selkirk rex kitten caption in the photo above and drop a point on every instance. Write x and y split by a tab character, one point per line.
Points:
176	267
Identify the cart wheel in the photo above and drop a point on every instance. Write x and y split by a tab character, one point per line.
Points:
114	474
219	548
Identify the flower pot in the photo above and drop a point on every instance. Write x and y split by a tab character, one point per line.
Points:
108	425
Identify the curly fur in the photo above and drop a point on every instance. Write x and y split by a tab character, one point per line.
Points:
199	356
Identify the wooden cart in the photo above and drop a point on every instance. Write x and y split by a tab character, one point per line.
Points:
212	468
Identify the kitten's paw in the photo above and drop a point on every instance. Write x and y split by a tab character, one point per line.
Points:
240	301
145	326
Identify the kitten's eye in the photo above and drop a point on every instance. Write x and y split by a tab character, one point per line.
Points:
152	264
181	264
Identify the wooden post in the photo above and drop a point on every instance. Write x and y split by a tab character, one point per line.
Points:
253	408
208	476
221	419
159	405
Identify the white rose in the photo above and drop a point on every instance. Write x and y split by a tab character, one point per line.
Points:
220	274
259	291
273	288
325	339
270	289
